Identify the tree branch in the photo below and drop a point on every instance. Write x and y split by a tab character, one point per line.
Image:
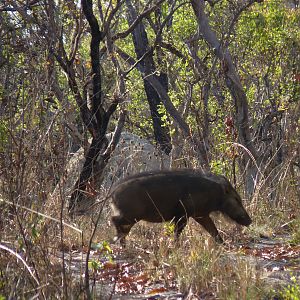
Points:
86	115
133	25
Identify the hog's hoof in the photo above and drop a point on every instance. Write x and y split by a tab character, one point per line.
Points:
219	240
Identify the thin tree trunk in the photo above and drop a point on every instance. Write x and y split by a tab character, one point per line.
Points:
141	45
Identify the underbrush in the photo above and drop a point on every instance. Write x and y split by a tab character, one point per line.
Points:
196	265
37	252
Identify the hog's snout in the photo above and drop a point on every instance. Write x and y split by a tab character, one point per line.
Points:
244	220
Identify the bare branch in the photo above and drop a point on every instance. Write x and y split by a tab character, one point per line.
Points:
111	16
142	15
84	110
76	38
173	50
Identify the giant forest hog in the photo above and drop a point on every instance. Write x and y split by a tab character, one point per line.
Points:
161	196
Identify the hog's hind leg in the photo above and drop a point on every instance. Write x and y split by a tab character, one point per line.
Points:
123	227
180	223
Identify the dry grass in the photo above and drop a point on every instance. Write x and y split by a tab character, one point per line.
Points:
38	229
196	264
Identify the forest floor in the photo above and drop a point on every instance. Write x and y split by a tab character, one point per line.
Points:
124	276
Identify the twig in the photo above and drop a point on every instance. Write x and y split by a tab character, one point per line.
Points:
18	256
41	214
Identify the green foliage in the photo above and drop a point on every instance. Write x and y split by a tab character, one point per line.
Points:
183	25
138	106
164	116
94	265
105	250
169	228
3	134
103	247
292	291
218	166
268	32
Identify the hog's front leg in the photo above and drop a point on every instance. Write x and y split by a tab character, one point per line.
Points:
210	227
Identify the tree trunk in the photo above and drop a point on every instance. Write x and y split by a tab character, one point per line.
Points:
141	46
232	78
91	167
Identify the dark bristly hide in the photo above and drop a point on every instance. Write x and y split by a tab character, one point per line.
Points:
176	195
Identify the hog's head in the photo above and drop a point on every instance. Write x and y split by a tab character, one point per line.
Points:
232	203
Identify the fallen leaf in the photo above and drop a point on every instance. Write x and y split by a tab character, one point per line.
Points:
157	291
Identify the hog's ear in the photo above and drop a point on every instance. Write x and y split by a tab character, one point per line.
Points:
225	184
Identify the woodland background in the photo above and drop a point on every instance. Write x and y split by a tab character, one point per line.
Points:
213	85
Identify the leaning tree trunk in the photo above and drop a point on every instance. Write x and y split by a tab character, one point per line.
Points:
196	143
236	90
141	46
